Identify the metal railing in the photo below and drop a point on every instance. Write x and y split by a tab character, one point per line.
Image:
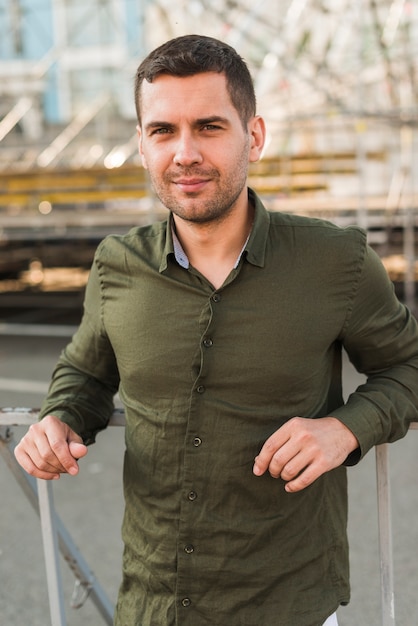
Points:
56	538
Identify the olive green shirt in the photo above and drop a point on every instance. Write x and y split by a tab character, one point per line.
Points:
206	375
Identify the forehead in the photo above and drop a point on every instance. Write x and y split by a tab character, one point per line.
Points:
199	95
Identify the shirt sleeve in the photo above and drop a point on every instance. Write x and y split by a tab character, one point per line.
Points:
86	377
381	340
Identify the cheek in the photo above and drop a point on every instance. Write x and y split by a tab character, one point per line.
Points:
155	160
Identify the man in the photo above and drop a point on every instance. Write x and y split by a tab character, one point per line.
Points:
222	329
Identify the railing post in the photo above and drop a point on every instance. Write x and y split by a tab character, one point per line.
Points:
51	554
385	535
37	492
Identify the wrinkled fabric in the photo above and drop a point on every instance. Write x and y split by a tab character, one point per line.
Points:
206	375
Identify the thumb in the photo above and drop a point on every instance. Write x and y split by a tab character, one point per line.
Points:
77	449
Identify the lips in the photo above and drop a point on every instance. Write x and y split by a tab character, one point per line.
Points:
191	185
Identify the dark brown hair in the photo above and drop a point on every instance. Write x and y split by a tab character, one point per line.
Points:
195	54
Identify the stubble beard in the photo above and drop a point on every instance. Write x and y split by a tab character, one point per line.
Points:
215	208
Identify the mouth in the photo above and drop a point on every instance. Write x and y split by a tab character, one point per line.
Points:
191	185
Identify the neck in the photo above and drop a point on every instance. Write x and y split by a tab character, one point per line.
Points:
213	248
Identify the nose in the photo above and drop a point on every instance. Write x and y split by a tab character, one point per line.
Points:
187	150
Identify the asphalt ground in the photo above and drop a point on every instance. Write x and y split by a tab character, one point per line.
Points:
91	507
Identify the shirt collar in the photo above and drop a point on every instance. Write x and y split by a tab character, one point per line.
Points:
179	253
254	248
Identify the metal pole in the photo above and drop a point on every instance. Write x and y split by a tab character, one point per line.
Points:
406	149
385	535
50	544
85	579
360	124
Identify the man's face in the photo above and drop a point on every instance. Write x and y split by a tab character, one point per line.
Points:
194	146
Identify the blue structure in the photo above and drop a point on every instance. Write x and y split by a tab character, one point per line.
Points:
65	52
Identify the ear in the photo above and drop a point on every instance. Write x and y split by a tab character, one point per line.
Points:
257	132
140	150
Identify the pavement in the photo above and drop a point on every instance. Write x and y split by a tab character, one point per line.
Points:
91	507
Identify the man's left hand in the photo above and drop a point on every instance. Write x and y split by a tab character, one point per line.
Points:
303	449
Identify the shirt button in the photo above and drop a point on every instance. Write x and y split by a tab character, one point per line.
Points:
200	389
192	495
197	442
216	297
186	602
189	549
208	343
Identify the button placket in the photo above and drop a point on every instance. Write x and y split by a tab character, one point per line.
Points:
188	538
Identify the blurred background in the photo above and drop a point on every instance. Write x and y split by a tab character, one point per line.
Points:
336	81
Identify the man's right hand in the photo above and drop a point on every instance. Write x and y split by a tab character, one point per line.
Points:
50	448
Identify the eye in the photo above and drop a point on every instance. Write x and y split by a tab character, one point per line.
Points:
211	127
160	131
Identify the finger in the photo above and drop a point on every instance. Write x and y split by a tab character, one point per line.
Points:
47	444
48	452
289	460
295	466
50	448
34	445
300	473
29	466
304	478
59	440
263	460
77	449
60	456
276	452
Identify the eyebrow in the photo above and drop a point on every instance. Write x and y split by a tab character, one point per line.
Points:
201	121
210	120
